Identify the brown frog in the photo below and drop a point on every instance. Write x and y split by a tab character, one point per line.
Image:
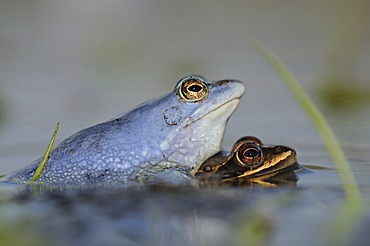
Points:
250	161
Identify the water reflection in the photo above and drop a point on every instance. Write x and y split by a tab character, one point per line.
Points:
285	178
145	216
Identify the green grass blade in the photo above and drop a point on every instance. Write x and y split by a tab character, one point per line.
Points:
331	143
45	157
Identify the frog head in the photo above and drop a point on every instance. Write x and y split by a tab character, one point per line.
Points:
188	124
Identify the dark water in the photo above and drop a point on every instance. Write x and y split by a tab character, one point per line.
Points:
81	63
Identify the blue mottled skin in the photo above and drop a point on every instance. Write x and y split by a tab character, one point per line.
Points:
164	139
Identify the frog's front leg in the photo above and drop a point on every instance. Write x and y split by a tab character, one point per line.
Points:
166	173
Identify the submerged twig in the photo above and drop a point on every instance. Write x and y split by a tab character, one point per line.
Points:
45	157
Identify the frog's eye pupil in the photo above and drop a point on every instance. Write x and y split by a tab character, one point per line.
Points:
251	153
195	88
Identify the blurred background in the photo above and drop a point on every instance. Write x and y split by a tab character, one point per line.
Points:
83	62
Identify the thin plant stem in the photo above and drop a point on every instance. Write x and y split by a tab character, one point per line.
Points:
330	141
44	158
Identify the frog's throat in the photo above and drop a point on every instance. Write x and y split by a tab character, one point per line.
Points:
223	113
224	106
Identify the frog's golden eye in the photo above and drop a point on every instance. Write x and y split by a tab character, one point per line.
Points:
192	88
249	155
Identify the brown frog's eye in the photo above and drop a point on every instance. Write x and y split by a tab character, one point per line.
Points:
192	88
249	155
